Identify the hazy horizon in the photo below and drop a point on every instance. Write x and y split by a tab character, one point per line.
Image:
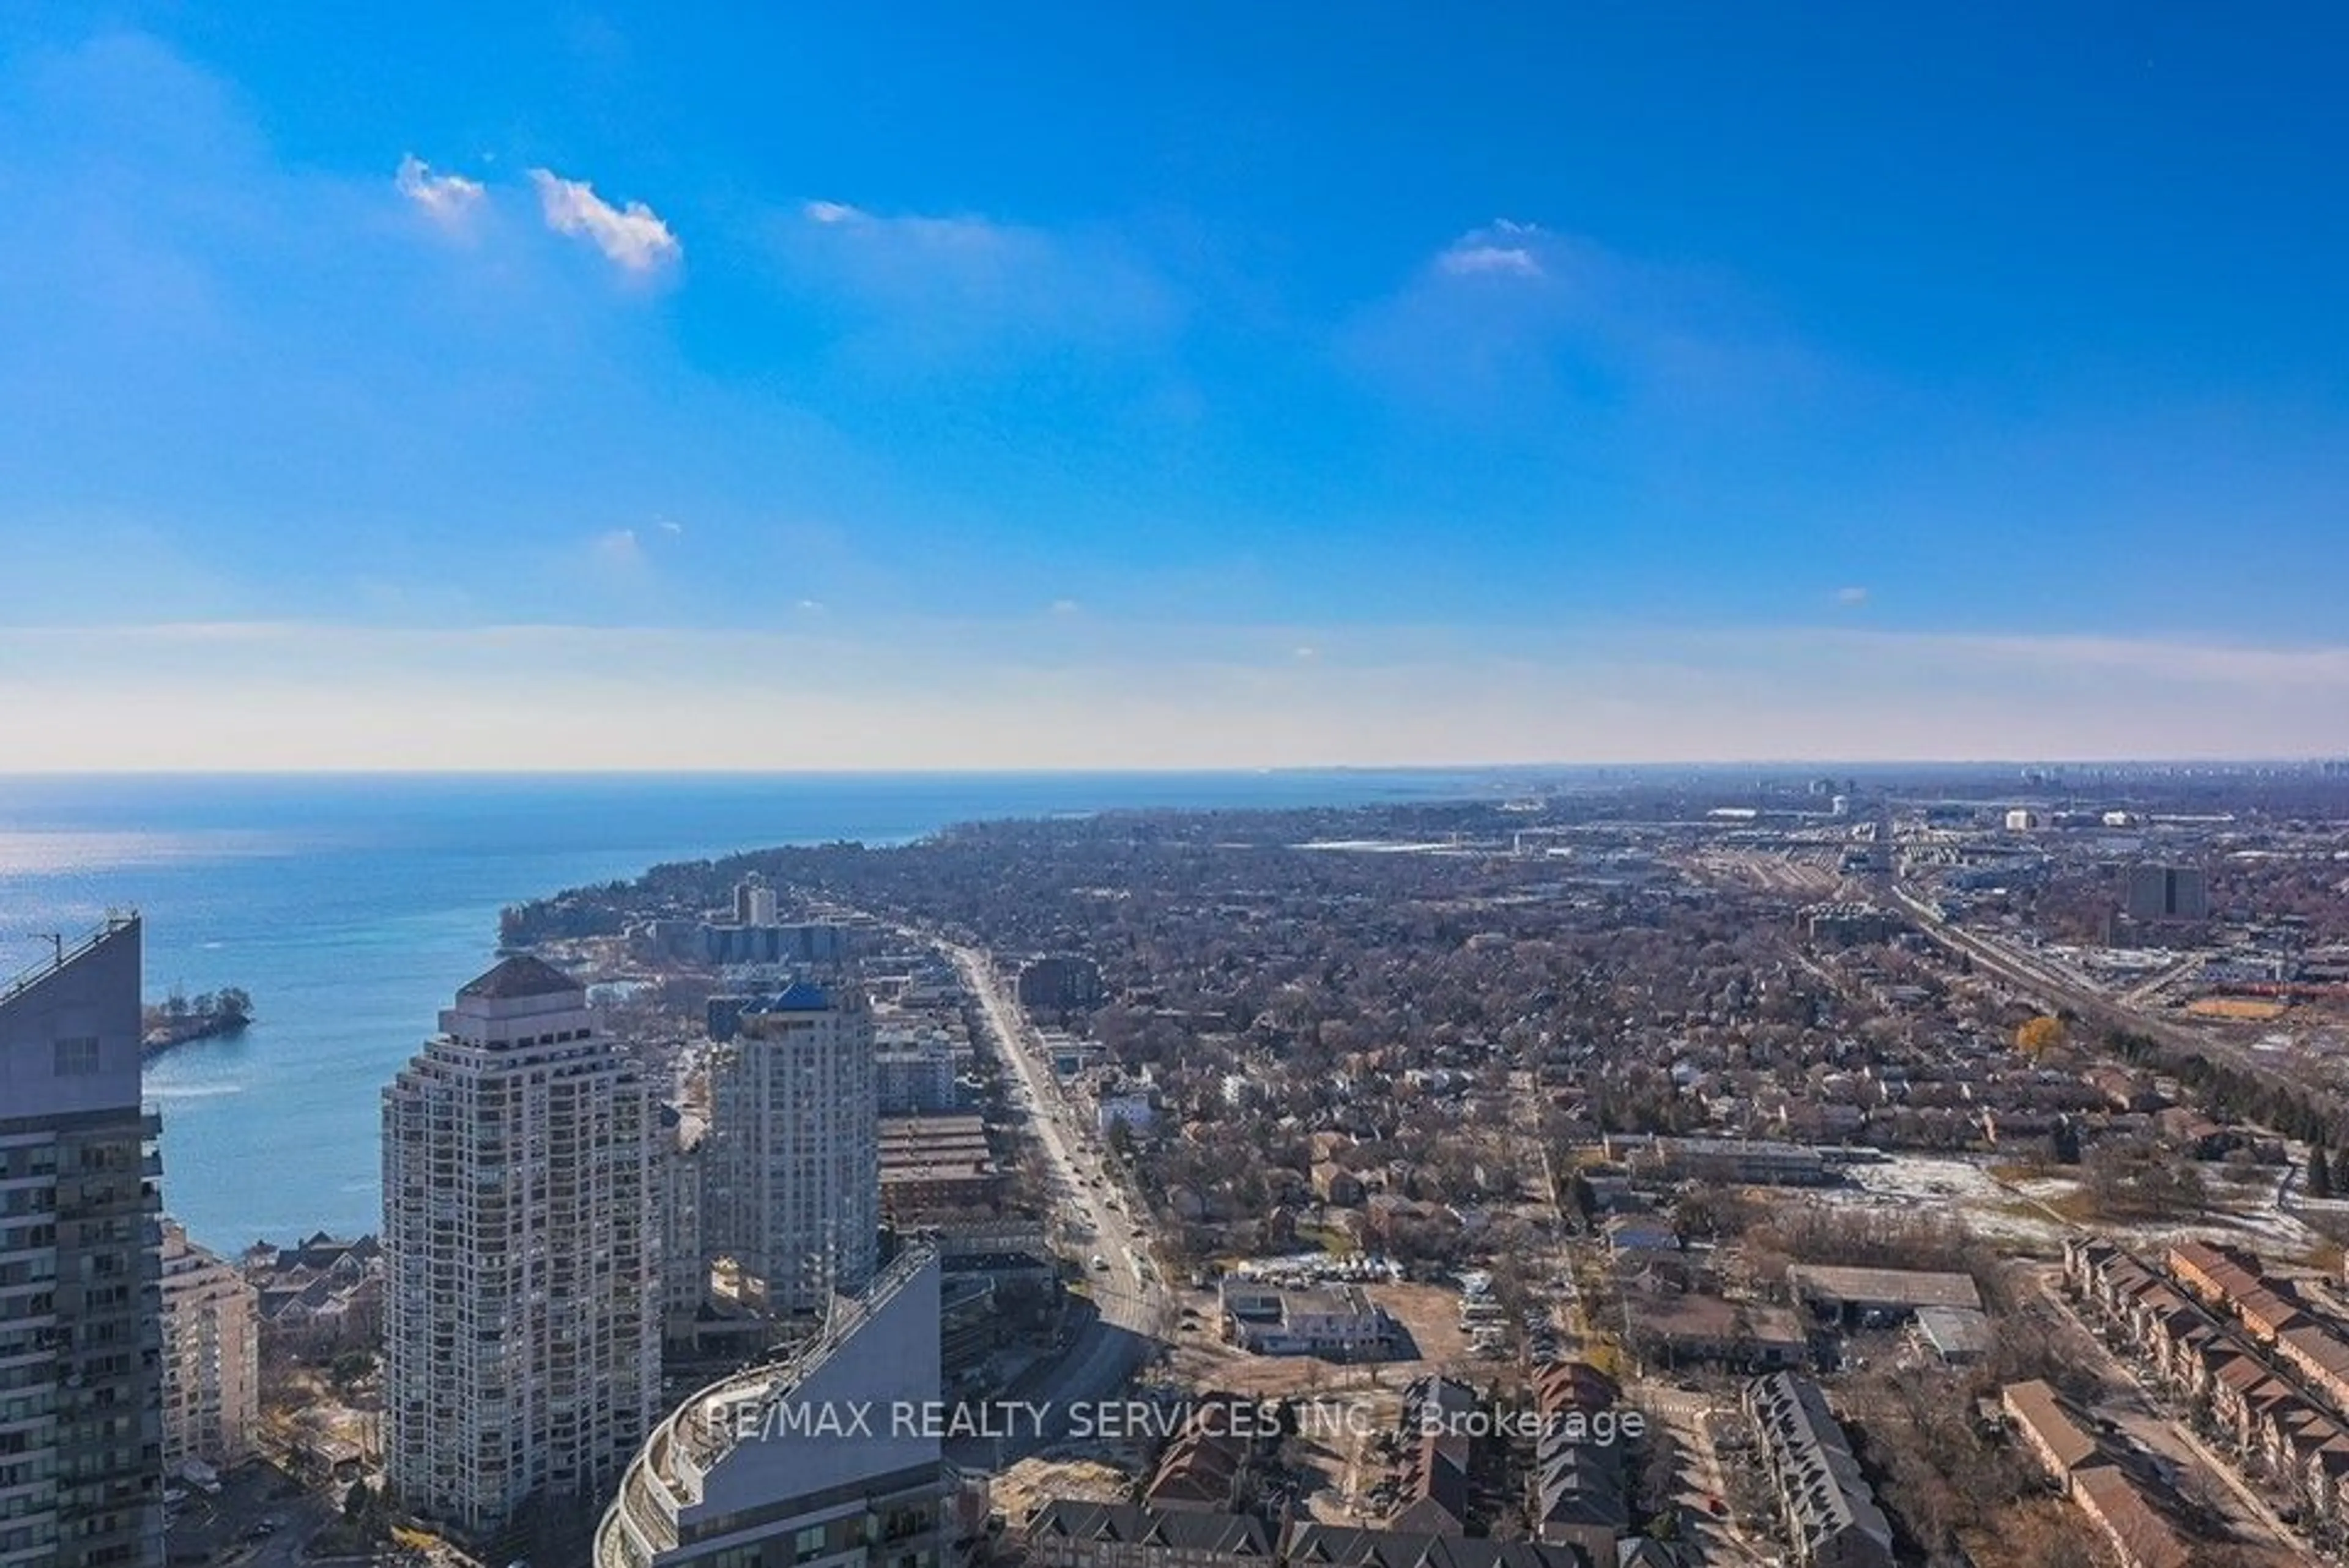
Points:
1859	767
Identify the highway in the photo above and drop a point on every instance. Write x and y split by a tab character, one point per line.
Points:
2053	987
1136	1308
2062	992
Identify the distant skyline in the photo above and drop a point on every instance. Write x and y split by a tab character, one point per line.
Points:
1213	385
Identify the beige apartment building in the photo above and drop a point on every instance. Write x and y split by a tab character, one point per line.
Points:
793	1164
521	1251
212	1356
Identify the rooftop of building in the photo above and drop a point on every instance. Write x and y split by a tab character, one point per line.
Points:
746	1419
1347	1546
1955	1330
1904	1288
1177	1529
799	996
116	926
2061	1435
519	975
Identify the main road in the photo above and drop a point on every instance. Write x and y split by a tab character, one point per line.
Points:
1102	1216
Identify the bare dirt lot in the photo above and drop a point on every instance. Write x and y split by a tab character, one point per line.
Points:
1353	1402
1021	1487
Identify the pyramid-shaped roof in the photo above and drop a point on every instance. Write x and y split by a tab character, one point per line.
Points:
800	996
520	976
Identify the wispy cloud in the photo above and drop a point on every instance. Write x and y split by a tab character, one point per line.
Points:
633	238
1508	319
950	285
1506	248
1851	596
448	200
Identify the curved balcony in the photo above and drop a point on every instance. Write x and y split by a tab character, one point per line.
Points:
665	1477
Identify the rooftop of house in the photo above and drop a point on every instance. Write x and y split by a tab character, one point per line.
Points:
1192	1530
2059	1434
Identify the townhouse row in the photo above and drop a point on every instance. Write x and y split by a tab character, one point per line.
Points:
2228	1371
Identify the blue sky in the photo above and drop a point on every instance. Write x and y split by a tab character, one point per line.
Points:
1201	385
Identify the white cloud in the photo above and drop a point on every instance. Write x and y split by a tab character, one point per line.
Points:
1466	261
446	198
832	212
1854	596
633	238
1504	249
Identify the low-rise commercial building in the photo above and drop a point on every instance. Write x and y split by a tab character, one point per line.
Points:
1337	1321
1954	1336
933	1165
1676	1330
1747	1161
1872	1296
1133	1108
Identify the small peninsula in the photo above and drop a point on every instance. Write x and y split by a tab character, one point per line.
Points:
178	1019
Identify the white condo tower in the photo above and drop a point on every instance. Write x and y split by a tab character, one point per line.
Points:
794	1157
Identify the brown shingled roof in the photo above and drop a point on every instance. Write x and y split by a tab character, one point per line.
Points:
2062	1441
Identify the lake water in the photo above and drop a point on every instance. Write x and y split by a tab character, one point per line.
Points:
351	908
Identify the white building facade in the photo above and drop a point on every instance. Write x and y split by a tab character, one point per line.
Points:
918	1060
764	1469
521	1255
685	1267
793	1161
